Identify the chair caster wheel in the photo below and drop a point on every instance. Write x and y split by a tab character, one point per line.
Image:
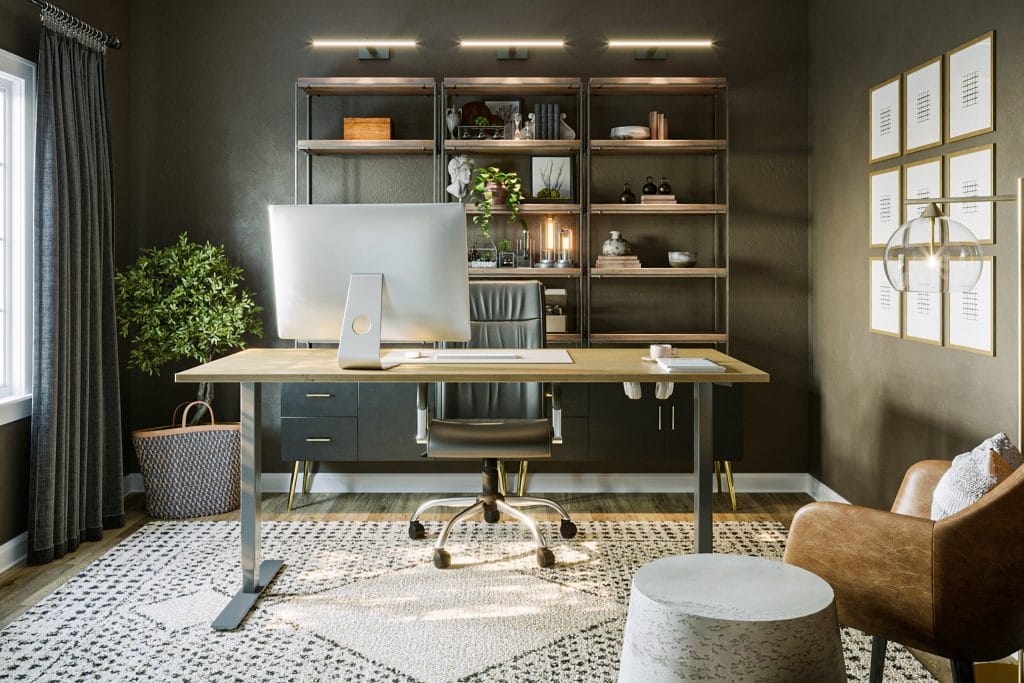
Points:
491	516
545	558
442	558
567	529
416	530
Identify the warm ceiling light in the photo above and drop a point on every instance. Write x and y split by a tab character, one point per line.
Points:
697	42
384	42
511	42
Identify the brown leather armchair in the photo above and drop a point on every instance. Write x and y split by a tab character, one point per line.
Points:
954	587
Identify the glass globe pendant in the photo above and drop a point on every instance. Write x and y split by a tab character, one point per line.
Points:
933	253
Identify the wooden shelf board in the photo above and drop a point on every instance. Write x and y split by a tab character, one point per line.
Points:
513	146
647	338
625	209
513	86
341	147
681	85
658	146
529	208
529	273
564	337
346	85
658	272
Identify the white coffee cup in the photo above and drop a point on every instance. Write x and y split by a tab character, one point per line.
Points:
661	350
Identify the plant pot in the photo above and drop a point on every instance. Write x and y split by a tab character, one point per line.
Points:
496	193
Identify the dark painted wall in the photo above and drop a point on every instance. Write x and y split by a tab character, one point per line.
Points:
880	404
212	117
19	33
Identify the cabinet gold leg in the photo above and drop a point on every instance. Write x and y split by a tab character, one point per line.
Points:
718	474
291	486
732	487
521	481
502	479
307	465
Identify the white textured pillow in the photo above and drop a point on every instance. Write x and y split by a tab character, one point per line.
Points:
1001	444
970	477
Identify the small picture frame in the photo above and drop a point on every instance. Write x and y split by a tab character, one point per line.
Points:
970	315
886	190
884	107
551	179
885	313
921	180
970	88
970	173
922	311
922	106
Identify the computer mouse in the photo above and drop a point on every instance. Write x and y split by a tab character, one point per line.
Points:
413	354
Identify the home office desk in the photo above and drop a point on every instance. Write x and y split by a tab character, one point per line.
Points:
254	367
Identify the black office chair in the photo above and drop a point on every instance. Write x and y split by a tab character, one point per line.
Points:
495	422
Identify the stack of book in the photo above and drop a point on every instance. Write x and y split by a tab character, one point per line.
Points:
546	117
617	262
657	199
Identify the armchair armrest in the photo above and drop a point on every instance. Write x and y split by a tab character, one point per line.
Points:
878	563
915	495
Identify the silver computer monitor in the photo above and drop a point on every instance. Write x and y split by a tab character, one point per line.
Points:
370	272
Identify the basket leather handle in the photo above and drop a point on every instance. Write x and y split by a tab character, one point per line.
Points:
174	415
184	415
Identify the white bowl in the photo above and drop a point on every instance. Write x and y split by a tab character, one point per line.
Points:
631	133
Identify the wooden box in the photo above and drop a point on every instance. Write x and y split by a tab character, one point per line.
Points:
367	128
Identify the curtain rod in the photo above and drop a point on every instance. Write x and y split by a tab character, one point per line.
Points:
108	39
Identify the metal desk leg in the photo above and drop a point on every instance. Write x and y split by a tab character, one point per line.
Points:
703	462
256	575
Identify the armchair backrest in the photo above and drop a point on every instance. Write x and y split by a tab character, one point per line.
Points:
978	567
503	314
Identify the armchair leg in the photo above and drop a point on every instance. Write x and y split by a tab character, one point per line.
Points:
878	646
963	670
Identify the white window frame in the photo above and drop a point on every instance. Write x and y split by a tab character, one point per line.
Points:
18	80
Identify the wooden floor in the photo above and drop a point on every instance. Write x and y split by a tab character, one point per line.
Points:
22	587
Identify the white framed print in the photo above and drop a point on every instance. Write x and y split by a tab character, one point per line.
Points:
921	180
971	315
552	178
885	120
922	311
970	88
885	312
969	173
886	202
922	106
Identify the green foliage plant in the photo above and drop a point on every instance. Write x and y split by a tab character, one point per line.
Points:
483	196
184	301
505	245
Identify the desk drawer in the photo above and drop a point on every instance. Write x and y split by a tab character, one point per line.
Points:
318	438
318	399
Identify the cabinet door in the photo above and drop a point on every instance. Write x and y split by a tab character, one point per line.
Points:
624	428
387	422
575	441
318	438
727	423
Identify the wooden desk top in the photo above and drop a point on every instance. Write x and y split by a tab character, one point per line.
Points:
590	365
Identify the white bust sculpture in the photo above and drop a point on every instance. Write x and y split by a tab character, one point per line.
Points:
460	169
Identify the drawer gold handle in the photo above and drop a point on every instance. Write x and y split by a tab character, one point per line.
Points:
317	439
319	395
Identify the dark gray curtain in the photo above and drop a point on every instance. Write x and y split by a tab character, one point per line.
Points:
76	469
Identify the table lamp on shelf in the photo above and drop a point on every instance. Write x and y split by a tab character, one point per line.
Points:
548	243
565	250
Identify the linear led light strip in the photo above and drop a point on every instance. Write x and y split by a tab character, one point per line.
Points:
697	42
511	42
319	42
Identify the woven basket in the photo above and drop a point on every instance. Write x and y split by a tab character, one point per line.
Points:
189	471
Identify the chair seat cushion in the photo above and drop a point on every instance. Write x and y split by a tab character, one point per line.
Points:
974	474
505	440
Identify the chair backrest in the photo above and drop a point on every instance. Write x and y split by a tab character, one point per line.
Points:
978	574
503	314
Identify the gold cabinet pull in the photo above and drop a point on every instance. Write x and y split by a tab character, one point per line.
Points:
318	439
319	395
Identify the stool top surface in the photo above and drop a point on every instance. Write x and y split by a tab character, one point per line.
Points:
733	587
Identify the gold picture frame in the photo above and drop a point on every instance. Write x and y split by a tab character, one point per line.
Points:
986	310
876	283
924	83
882	98
973	87
956	211
876	215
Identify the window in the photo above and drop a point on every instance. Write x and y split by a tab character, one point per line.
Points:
17	156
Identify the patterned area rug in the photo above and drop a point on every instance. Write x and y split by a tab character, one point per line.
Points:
359	601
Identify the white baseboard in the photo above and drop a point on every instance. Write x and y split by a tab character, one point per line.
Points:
818	491
13	552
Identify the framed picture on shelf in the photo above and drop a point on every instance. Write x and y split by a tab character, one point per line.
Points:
970	314
886	200
921	180
506	110
885	312
970	88
922	106
969	173
885	120
552	178
922	311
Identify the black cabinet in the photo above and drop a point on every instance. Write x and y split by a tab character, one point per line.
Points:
623	428
318	421
387	422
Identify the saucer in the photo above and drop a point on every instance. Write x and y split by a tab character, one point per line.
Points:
648	359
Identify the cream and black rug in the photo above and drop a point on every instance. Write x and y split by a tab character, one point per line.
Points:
359	601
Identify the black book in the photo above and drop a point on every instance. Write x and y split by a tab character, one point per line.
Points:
537	122
556	130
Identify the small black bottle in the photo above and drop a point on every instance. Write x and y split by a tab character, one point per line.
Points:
627	196
649	186
664	188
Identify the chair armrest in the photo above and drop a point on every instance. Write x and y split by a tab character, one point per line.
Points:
878	563
915	495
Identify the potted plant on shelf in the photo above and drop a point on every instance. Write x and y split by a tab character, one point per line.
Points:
493	187
506	257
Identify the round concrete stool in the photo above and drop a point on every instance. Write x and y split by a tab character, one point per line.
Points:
712	617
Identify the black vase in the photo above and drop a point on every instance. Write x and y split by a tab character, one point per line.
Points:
649	186
664	188
627	196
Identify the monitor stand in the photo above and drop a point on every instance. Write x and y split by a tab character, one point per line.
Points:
359	346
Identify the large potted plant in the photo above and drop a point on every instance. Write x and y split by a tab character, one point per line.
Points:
185	302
